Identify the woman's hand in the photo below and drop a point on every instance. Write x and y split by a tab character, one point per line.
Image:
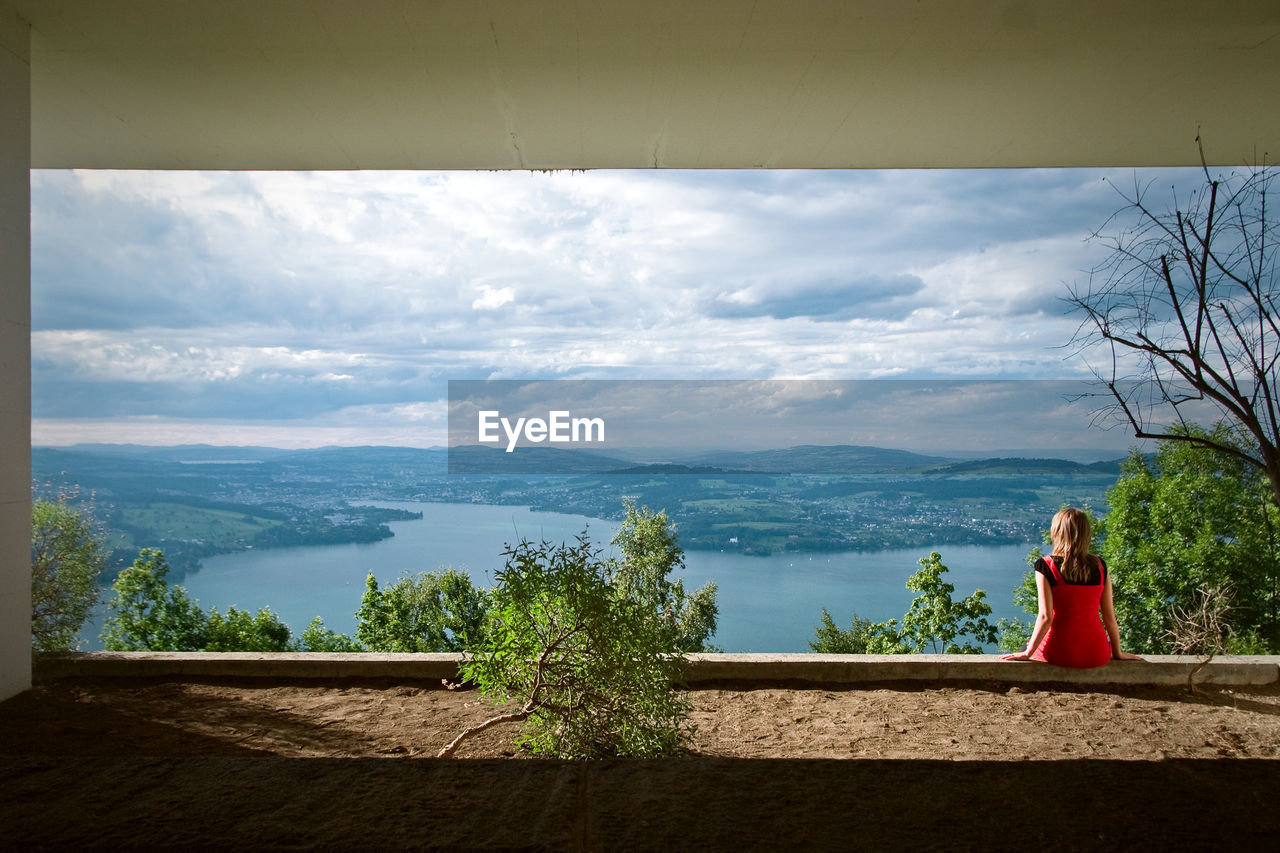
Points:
1125	656
1022	655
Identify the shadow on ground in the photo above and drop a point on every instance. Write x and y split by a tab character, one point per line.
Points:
174	764
689	803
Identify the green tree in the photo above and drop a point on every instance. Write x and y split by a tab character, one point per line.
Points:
146	614
935	620
592	670
68	553
834	640
1014	633
242	631
650	554
429	612
1186	520
318	638
863	637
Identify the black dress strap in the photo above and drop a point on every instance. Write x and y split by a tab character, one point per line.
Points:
1056	576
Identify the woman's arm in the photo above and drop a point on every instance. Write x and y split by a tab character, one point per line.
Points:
1109	620
1044	618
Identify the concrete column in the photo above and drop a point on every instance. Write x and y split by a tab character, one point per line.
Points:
15	353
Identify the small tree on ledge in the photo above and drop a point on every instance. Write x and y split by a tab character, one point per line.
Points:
592	671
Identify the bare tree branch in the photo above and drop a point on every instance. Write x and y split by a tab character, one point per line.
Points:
1184	309
1201	628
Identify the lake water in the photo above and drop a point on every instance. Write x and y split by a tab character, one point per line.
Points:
767	604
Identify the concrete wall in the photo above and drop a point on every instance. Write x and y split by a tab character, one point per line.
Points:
640	84
700	669
15	353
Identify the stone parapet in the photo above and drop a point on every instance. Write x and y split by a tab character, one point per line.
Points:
703	669
854	669
282	665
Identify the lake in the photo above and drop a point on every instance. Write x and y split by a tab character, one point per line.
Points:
767	604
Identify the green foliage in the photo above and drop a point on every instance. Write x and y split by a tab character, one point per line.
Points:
318	638
429	612
833	640
1193	519
241	631
863	637
650	554
887	639
68	553
145	614
592	668
1248	643
934	620
1014	633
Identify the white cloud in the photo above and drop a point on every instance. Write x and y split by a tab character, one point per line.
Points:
493	297
264	295
159	357
289	434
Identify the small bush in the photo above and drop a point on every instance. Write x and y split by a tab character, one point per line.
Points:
427	612
68	553
593	670
650	554
318	638
146	614
935	620
241	631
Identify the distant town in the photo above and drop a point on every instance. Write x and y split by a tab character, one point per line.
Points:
197	501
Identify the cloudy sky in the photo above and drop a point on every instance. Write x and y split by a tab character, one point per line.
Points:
305	309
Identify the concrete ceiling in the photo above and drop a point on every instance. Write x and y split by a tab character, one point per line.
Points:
541	84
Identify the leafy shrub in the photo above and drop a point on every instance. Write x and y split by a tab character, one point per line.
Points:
937	621
934	620
1189	519
68	553
146	614
241	631
592	669
318	638
428	612
650	554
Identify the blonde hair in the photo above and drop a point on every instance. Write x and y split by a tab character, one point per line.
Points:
1071	538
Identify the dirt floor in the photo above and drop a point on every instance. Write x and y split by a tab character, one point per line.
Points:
185	763
399	720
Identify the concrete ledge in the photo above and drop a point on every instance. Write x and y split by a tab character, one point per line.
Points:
854	669
703	669
244	665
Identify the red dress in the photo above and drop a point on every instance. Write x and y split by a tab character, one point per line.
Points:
1077	637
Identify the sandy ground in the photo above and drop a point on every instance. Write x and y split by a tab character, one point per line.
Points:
398	720
185	763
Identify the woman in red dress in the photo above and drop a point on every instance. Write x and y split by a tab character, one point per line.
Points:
1074	589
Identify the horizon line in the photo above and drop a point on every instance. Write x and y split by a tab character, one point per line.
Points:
959	453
